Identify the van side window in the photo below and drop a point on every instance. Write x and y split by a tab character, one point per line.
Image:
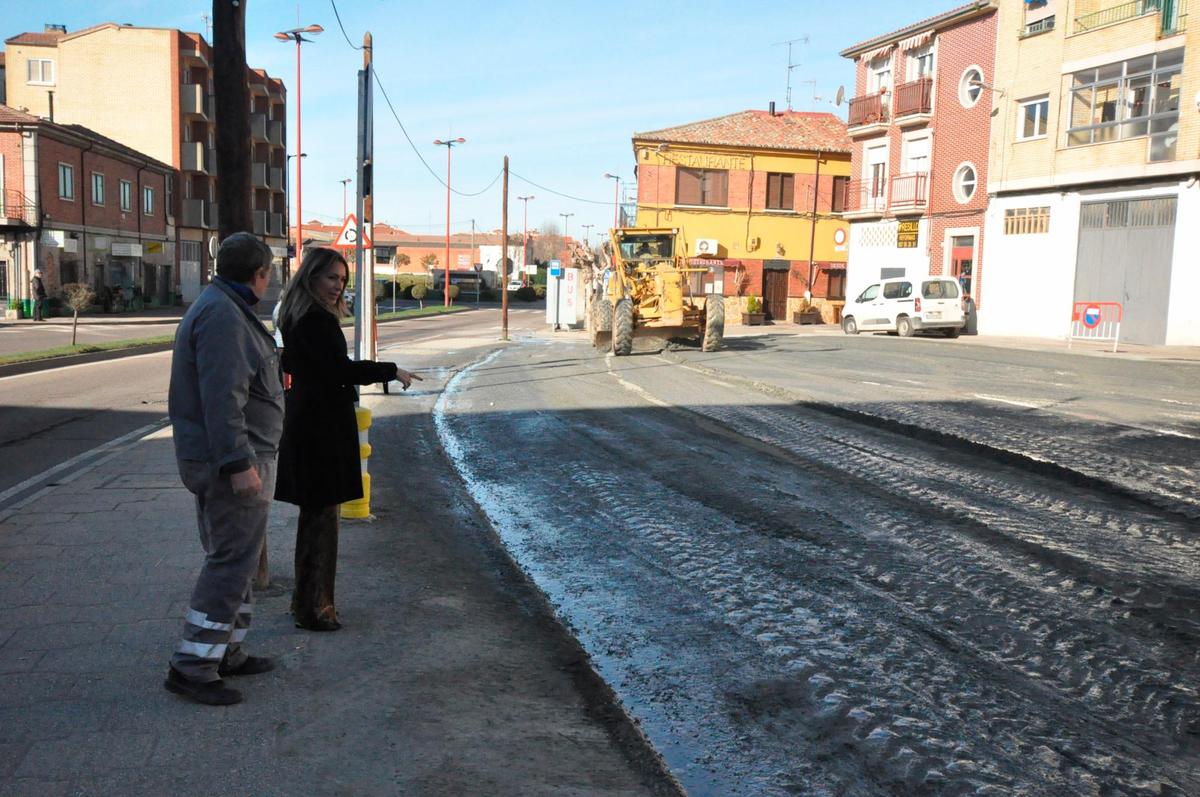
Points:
940	289
869	294
897	290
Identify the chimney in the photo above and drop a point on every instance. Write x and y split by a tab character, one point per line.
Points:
771	108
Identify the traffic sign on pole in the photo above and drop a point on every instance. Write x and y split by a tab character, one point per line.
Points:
348	237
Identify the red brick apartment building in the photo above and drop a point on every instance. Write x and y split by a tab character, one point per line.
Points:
82	208
919	122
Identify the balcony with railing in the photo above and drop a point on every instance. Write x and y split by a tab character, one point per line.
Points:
276	178
260	222
866	197
276	225
258	175
869	113
192	101
914	101
1171	23
909	192
16	209
258	126
275	133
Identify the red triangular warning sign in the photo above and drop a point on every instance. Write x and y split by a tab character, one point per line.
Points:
348	237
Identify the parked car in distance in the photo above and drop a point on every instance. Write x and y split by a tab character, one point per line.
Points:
514	284
905	306
349	297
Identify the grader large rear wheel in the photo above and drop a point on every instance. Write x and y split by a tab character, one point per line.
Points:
622	328
602	316
714	323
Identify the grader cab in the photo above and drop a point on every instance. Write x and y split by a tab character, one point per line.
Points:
650	291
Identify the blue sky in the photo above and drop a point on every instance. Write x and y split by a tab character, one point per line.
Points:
559	87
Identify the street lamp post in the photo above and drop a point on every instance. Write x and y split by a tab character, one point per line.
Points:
287	200
566	224
344	183
296	34
449	145
587	235
524	243
616	188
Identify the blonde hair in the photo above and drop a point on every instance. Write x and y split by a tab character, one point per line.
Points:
299	297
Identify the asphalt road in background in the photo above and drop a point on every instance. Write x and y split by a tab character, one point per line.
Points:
48	417
863	566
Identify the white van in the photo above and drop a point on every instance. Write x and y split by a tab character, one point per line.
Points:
905	306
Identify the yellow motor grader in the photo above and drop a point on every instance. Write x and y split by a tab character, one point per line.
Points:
648	290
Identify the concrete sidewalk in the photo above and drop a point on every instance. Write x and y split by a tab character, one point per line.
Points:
451	676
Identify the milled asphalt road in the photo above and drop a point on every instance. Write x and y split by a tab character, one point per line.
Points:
801	585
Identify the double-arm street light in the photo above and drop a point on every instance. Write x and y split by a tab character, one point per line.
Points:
616	188
449	145
566	224
524	242
587	234
297	35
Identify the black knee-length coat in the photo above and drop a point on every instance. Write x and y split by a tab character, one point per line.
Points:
318	454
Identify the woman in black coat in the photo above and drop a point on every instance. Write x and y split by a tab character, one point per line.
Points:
318	454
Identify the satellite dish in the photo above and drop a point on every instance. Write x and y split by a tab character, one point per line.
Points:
841	95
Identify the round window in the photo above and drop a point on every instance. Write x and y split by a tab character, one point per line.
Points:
965	183
970	88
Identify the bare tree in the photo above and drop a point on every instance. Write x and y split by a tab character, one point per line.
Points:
79	297
548	244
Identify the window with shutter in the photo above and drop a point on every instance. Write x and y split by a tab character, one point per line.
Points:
781	191
840	185
705	187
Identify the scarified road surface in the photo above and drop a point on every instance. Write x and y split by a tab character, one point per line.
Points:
797	600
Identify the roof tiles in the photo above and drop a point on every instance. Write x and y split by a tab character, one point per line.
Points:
788	130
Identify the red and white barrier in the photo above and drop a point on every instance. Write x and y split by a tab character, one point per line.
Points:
1096	322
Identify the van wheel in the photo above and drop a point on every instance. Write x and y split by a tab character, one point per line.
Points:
849	325
904	326
952	332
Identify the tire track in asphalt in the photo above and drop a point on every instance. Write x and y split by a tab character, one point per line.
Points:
864	710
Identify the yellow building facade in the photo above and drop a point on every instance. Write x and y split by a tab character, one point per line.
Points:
1095	142
754	195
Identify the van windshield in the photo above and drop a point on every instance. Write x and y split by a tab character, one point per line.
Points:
940	289
869	294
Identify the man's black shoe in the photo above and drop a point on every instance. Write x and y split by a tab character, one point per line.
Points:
253	665
210	693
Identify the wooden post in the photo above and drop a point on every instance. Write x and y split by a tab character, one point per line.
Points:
232	102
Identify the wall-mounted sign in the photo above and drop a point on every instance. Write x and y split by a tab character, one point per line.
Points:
71	245
839	239
53	238
907	233
126	250
153	248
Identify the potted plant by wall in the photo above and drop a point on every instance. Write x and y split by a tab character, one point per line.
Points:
13	311
807	313
753	315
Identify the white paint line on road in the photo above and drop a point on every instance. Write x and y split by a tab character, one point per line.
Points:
874	384
1181	403
911	382
1175	433
136	434
1014	402
62	368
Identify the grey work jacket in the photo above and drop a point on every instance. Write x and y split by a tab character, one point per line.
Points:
226	395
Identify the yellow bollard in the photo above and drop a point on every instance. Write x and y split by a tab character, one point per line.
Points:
361	508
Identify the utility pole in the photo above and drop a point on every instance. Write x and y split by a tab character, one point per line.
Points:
504	255
364	304
233	118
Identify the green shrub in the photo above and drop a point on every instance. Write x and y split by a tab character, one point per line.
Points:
453	291
526	293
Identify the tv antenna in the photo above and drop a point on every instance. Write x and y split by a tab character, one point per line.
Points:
790	65
207	26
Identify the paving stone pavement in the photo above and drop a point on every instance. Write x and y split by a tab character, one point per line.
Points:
450	677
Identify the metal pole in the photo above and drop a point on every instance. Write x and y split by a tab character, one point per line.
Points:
504	254
367	191
360	301
446	265
812	229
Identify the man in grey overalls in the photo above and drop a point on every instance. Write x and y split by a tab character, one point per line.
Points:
226	405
